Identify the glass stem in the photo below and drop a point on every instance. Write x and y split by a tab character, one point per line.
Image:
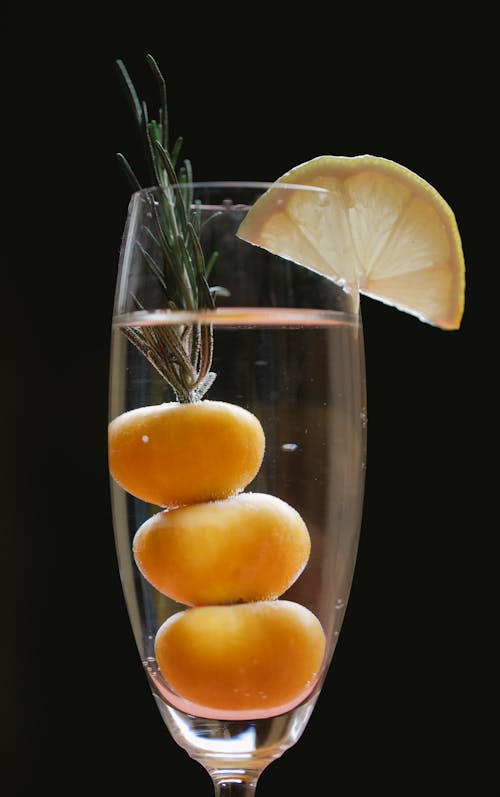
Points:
234	786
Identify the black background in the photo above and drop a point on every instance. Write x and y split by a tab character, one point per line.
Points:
254	89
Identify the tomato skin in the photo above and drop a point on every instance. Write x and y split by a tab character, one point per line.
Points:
245	548
175	454
258	655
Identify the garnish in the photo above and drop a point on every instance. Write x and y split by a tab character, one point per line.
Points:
182	354
380	224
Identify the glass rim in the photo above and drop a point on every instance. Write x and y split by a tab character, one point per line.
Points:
243	184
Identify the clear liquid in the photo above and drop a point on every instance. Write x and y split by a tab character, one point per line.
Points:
302	374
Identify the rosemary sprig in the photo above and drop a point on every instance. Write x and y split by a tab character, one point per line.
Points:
182	354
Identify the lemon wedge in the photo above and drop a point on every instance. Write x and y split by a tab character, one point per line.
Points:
377	220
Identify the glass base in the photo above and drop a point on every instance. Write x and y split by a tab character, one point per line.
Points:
238	749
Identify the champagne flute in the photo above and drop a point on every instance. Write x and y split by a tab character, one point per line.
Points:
236	585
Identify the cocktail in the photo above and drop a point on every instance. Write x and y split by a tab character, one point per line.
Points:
237	428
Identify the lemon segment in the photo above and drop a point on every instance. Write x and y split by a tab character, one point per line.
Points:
375	222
